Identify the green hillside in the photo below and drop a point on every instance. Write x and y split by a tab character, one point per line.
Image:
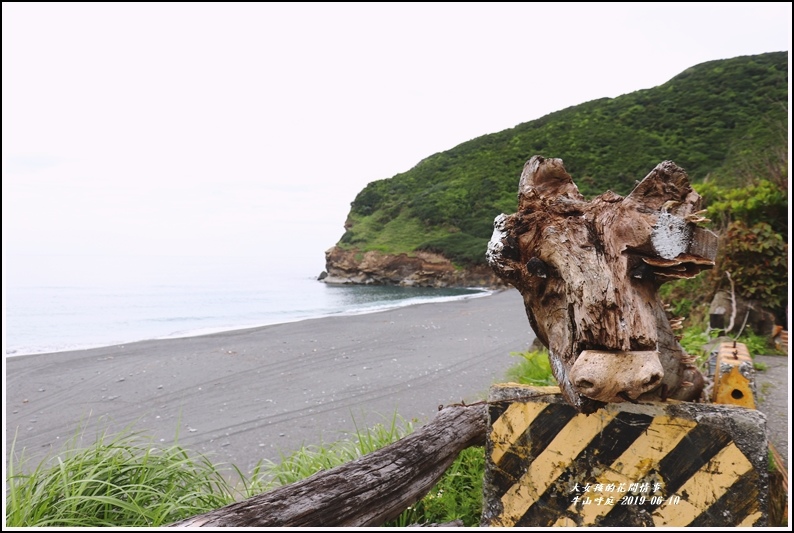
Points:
709	119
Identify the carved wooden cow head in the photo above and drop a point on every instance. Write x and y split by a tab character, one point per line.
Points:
589	274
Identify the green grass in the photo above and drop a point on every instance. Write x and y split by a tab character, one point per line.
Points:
457	495
121	480
759	344
126	481
698	343
533	368
309	460
695	342
396	235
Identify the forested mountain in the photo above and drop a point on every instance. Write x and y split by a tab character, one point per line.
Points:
716	120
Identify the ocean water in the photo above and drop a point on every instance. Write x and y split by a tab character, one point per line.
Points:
42	316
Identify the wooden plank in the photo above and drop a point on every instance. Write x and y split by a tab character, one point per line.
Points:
778	490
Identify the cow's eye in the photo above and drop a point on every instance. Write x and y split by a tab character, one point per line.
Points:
537	268
642	271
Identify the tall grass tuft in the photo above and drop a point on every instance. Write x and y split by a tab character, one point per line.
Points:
121	480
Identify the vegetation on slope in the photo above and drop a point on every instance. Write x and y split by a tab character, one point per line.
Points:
707	119
725	122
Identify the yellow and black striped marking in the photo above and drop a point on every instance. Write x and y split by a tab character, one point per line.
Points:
661	464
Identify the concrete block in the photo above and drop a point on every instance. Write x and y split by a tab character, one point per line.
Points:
667	464
734	376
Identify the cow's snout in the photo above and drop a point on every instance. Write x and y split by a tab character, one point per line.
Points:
616	376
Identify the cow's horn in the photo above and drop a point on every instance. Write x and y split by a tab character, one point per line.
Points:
545	178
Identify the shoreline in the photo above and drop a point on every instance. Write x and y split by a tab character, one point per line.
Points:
477	292
254	394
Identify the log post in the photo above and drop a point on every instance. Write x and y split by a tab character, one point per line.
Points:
366	492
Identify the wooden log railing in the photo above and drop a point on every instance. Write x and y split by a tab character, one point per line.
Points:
366	492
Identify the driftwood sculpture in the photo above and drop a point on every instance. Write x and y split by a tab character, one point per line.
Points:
589	274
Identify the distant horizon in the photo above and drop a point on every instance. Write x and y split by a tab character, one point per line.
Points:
63	318
97	269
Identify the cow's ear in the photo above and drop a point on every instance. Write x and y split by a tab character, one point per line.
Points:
503	254
666	234
544	178
666	188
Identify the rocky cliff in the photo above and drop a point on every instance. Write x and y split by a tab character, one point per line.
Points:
419	269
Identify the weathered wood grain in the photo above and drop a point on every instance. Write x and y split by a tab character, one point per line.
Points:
365	492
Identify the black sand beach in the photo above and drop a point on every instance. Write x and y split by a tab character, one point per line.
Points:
243	396
253	394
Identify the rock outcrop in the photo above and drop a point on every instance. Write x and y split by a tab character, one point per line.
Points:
419	269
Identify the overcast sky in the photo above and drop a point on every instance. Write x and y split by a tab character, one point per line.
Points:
242	132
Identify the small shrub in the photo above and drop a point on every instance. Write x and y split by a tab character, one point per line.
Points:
756	257
758	344
697	342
